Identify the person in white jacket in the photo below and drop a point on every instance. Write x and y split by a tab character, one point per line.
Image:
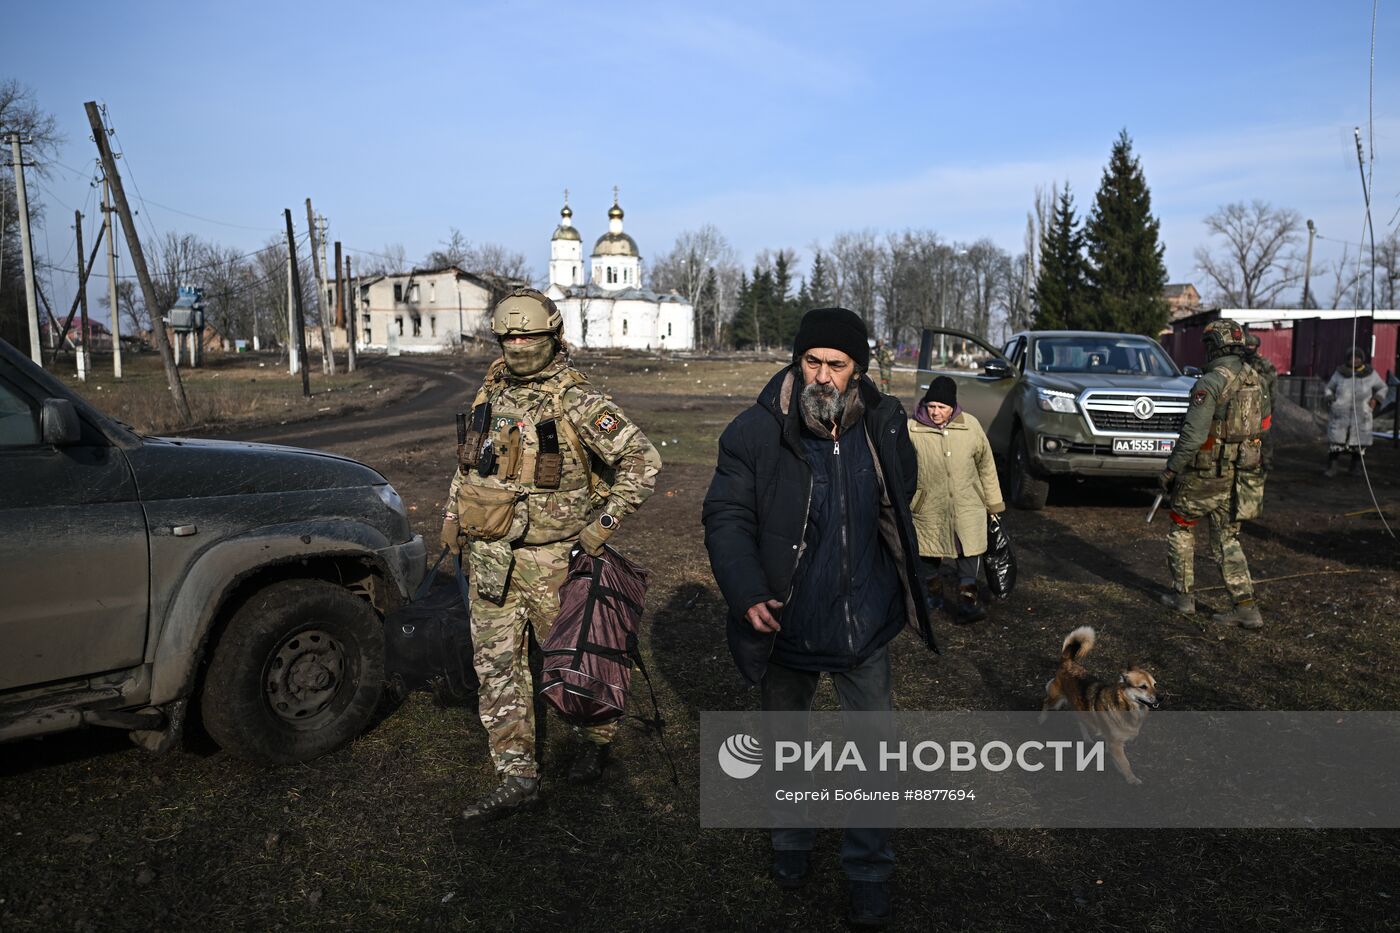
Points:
1353	393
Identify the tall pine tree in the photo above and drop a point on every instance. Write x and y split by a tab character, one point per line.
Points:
1126	271
1061	288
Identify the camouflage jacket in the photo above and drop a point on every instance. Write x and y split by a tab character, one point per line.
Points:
591	428
884	359
1199	441
1268	374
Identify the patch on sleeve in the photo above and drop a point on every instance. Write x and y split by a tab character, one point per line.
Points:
1199	397
608	422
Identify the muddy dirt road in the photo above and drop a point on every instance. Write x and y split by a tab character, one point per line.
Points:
95	835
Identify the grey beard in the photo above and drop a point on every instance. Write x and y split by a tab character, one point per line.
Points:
823	404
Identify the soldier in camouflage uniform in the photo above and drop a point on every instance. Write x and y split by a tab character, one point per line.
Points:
526	491
1216	472
885	360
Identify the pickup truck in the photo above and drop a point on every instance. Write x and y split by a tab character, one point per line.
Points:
1068	403
144	578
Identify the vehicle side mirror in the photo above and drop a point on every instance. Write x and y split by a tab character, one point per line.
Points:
58	420
997	369
1191	370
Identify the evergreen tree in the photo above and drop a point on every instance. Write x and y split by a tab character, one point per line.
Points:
1126	273
1061	288
819	288
743	327
784	315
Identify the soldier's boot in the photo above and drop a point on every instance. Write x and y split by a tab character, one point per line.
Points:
1244	614
1355	464
969	609
1184	603
590	763
513	795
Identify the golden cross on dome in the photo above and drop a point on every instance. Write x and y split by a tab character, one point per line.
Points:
614	194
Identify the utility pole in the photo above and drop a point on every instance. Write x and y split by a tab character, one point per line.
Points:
349	320
84	332
1307	269
300	316
327	355
339	289
138	261
112	279
31	304
293	360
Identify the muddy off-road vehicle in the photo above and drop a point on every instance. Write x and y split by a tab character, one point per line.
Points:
144	578
1066	403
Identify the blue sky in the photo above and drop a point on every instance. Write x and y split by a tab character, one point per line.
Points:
781	123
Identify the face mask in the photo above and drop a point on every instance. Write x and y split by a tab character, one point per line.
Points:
526	359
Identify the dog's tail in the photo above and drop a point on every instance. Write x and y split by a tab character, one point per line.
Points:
1077	644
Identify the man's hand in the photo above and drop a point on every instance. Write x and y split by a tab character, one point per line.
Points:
452	534
593	537
760	616
1165	480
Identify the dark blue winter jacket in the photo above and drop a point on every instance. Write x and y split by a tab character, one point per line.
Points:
769	487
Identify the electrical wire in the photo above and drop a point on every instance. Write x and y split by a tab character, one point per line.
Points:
1367	166
301	238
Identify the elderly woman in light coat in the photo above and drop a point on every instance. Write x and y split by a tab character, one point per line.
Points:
1353	392
957	489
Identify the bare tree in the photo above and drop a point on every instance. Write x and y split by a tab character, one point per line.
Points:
856	259
698	257
493	259
20	113
454	252
1257	262
1385	258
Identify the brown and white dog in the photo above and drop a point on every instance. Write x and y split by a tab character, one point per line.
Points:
1113	711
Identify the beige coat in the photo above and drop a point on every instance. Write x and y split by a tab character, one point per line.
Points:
957	487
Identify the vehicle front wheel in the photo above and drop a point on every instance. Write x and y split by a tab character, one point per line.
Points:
297	673
1028	491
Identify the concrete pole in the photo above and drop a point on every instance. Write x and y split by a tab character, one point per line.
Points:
296	295
112	280
349	321
138	261
36	347
83	329
293	360
327	355
1307	269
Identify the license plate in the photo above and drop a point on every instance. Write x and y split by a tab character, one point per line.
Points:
1152	446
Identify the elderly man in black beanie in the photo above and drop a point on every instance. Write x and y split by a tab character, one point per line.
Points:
812	543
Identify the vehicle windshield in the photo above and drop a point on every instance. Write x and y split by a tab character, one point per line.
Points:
1111	356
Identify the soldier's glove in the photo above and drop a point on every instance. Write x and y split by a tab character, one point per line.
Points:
595	535
452	535
1165	480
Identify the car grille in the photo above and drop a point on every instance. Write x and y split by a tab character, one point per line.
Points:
1113	413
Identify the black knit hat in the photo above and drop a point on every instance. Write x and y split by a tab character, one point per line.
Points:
836	328
942	390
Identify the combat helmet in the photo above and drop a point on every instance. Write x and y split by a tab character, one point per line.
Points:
1223	336
524	312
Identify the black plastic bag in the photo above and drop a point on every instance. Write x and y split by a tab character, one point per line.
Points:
428	642
1000	560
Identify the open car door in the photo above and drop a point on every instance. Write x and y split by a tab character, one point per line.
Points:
986	379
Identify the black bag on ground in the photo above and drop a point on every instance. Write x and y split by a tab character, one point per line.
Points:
428	641
1000	559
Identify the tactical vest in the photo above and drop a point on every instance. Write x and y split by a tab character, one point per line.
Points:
1237	428
524	498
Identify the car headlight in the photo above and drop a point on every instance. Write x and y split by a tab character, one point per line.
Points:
1054	400
390	497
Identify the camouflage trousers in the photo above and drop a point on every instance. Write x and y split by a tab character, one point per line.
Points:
1215	499
501	645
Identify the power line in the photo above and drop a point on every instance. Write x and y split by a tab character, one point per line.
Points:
182	272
